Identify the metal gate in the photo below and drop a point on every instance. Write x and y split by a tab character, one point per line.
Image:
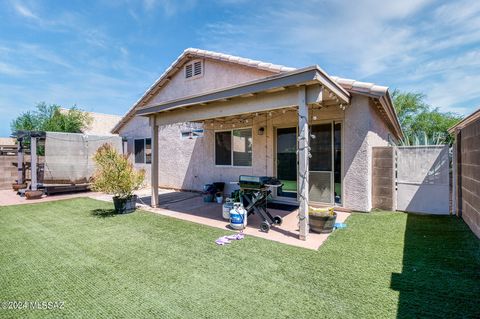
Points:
423	179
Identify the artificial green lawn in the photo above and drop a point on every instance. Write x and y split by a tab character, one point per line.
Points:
383	265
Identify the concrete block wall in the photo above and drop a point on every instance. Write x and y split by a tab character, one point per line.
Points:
469	175
383	178
8	172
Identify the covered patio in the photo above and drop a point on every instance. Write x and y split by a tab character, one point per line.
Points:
294	97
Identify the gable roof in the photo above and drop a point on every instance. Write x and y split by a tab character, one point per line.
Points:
309	75
192	53
467	120
351	86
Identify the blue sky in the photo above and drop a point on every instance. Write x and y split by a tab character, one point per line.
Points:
102	55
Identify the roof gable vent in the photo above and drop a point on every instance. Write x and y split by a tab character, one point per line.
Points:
194	69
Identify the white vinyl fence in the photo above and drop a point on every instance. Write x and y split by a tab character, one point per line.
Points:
423	179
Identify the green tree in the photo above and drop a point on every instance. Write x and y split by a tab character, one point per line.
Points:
52	118
420	121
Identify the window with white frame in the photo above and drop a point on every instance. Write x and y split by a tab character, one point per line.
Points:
233	147
194	69
143	151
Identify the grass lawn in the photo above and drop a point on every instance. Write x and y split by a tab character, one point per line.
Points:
384	265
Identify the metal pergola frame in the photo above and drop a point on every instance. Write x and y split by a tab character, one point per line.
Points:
33	136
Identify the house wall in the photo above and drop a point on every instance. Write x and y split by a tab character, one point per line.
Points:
363	130
216	75
137	128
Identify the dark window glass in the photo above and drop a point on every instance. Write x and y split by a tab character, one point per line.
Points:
223	148
148	150
321	147
337	142
242	147
287	161
139	151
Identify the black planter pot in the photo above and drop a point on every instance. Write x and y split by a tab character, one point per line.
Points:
322	224
125	205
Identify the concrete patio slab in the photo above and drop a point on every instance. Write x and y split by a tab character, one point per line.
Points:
191	207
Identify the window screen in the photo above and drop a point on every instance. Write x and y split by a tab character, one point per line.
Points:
139	151
242	147
223	148
148	150
321	147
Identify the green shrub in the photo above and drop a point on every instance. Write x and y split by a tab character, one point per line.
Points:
114	174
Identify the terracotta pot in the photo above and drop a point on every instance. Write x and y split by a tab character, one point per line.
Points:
16	187
33	194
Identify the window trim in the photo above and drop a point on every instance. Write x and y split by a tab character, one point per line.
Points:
192	63
144	150
231	151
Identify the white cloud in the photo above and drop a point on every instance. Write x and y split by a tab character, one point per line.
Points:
24	11
360	31
11	70
412	44
169	7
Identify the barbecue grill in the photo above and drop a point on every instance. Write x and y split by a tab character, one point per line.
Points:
254	192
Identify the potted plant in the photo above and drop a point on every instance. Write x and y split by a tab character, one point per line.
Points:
115	175
321	220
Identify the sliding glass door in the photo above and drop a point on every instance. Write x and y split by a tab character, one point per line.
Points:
325	163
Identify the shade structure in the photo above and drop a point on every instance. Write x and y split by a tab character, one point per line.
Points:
69	156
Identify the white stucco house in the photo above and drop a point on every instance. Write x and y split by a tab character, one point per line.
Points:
313	131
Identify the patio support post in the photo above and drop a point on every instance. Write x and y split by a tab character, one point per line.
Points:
33	162
20	161
303	159
154	167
